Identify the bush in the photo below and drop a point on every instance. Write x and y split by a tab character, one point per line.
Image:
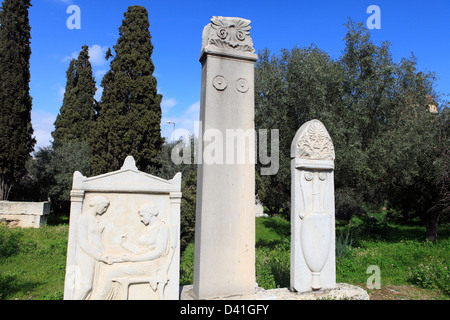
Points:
347	204
432	274
344	241
372	227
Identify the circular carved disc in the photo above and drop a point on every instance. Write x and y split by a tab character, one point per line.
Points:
242	85
220	83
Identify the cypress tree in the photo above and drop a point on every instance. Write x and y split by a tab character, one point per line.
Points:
16	132
77	113
129	119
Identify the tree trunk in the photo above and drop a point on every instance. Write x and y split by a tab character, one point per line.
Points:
5	188
432	222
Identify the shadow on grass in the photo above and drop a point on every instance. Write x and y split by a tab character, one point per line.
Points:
276	230
11	285
372	228
56	220
280	226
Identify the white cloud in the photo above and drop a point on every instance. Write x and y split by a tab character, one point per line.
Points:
99	75
74	55
194	108
61	92
167	104
184	122
43	125
98	93
97	55
66	2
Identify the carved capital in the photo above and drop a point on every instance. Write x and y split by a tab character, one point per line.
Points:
312	142
77	195
229	36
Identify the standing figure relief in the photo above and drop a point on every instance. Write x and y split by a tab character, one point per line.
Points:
89	236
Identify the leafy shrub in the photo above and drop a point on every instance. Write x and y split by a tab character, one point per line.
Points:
344	241
347	204
432	274
372	227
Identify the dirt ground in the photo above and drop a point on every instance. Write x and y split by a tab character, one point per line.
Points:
404	292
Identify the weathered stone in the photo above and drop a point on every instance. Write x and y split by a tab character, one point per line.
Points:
342	291
124	237
24	214
313	264
225	218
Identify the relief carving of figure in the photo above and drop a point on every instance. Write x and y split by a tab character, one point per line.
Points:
90	229
139	260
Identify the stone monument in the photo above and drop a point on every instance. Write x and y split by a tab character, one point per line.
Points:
225	218
24	214
313	264
124	237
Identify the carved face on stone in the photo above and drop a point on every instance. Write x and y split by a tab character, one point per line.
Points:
101	205
101	208
148	213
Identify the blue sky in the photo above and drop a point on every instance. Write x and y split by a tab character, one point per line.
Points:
176	27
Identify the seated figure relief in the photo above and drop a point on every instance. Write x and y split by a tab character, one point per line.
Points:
141	261
124	236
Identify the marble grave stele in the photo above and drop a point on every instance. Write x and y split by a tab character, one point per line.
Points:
124	236
313	265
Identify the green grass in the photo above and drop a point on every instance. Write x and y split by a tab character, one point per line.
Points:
402	253
32	261
272	256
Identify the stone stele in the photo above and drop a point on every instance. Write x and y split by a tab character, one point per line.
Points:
225	215
313	264
124	237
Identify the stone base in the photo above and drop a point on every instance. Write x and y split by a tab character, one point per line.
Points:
24	214
342	291
23	221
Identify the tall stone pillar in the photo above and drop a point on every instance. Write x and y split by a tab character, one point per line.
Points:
225	219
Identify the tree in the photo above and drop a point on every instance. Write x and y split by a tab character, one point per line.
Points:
291	89
167	169
16	132
76	117
367	94
129	119
70	156
388	145
442	207
50	173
